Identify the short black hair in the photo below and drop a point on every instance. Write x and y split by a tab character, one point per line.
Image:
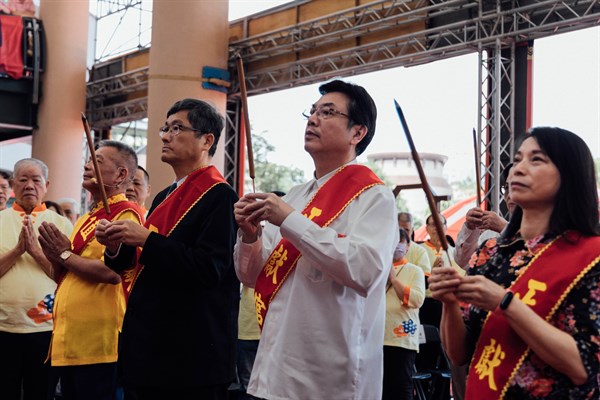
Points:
442	218
5	174
50	203
146	175
203	117
505	173
361	108
404	236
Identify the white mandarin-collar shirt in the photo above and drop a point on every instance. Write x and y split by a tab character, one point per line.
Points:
323	334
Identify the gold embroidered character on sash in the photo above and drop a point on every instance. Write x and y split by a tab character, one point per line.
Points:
533	286
275	261
314	212
325	206
491	358
88	228
543	284
260	305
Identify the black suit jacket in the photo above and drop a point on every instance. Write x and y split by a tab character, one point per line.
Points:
180	328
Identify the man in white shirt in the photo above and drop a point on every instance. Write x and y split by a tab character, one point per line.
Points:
319	266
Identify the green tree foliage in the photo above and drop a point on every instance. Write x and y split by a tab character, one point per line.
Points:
401	204
270	176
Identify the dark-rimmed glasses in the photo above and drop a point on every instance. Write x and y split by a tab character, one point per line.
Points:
175	129
323	112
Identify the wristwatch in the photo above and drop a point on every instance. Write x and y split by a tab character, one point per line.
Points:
64	256
505	302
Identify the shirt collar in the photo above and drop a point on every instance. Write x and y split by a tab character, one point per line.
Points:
39	208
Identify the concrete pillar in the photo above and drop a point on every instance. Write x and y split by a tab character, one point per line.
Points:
59	140
186	35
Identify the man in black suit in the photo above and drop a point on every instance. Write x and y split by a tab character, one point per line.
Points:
180	328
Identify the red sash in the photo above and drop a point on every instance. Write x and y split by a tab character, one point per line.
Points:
86	232
326	205
118	205
543	285
167	215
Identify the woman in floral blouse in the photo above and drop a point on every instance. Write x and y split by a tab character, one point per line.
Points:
531	330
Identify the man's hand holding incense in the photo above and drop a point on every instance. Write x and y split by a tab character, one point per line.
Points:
127	232
102	237
482	219
253	208
443	283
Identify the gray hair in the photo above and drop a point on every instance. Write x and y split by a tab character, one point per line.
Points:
406	215
32	161
71	201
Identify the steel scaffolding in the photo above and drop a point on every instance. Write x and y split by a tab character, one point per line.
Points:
424	31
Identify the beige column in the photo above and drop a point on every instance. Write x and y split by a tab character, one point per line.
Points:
58	141
186	36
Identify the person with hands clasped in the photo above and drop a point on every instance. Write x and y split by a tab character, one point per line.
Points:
405	293
320	265
90	303
532	326
26	287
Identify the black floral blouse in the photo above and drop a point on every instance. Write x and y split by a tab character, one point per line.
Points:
579	315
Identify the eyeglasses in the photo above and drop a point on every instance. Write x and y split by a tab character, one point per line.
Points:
175	130
323	112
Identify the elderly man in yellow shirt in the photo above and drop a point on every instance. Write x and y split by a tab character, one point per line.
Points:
90	302
26	287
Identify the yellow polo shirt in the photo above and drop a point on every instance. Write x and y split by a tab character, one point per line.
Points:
88	316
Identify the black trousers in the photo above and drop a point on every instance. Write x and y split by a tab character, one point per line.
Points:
205	392
398	367
88	382
22	367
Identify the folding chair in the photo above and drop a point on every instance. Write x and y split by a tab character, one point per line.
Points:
433	360
419	379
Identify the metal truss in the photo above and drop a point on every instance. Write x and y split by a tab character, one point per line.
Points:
105	98
122	35
232	129
106	116
350	23
121	84
496	122
438	30
104	8
452	28
460	27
